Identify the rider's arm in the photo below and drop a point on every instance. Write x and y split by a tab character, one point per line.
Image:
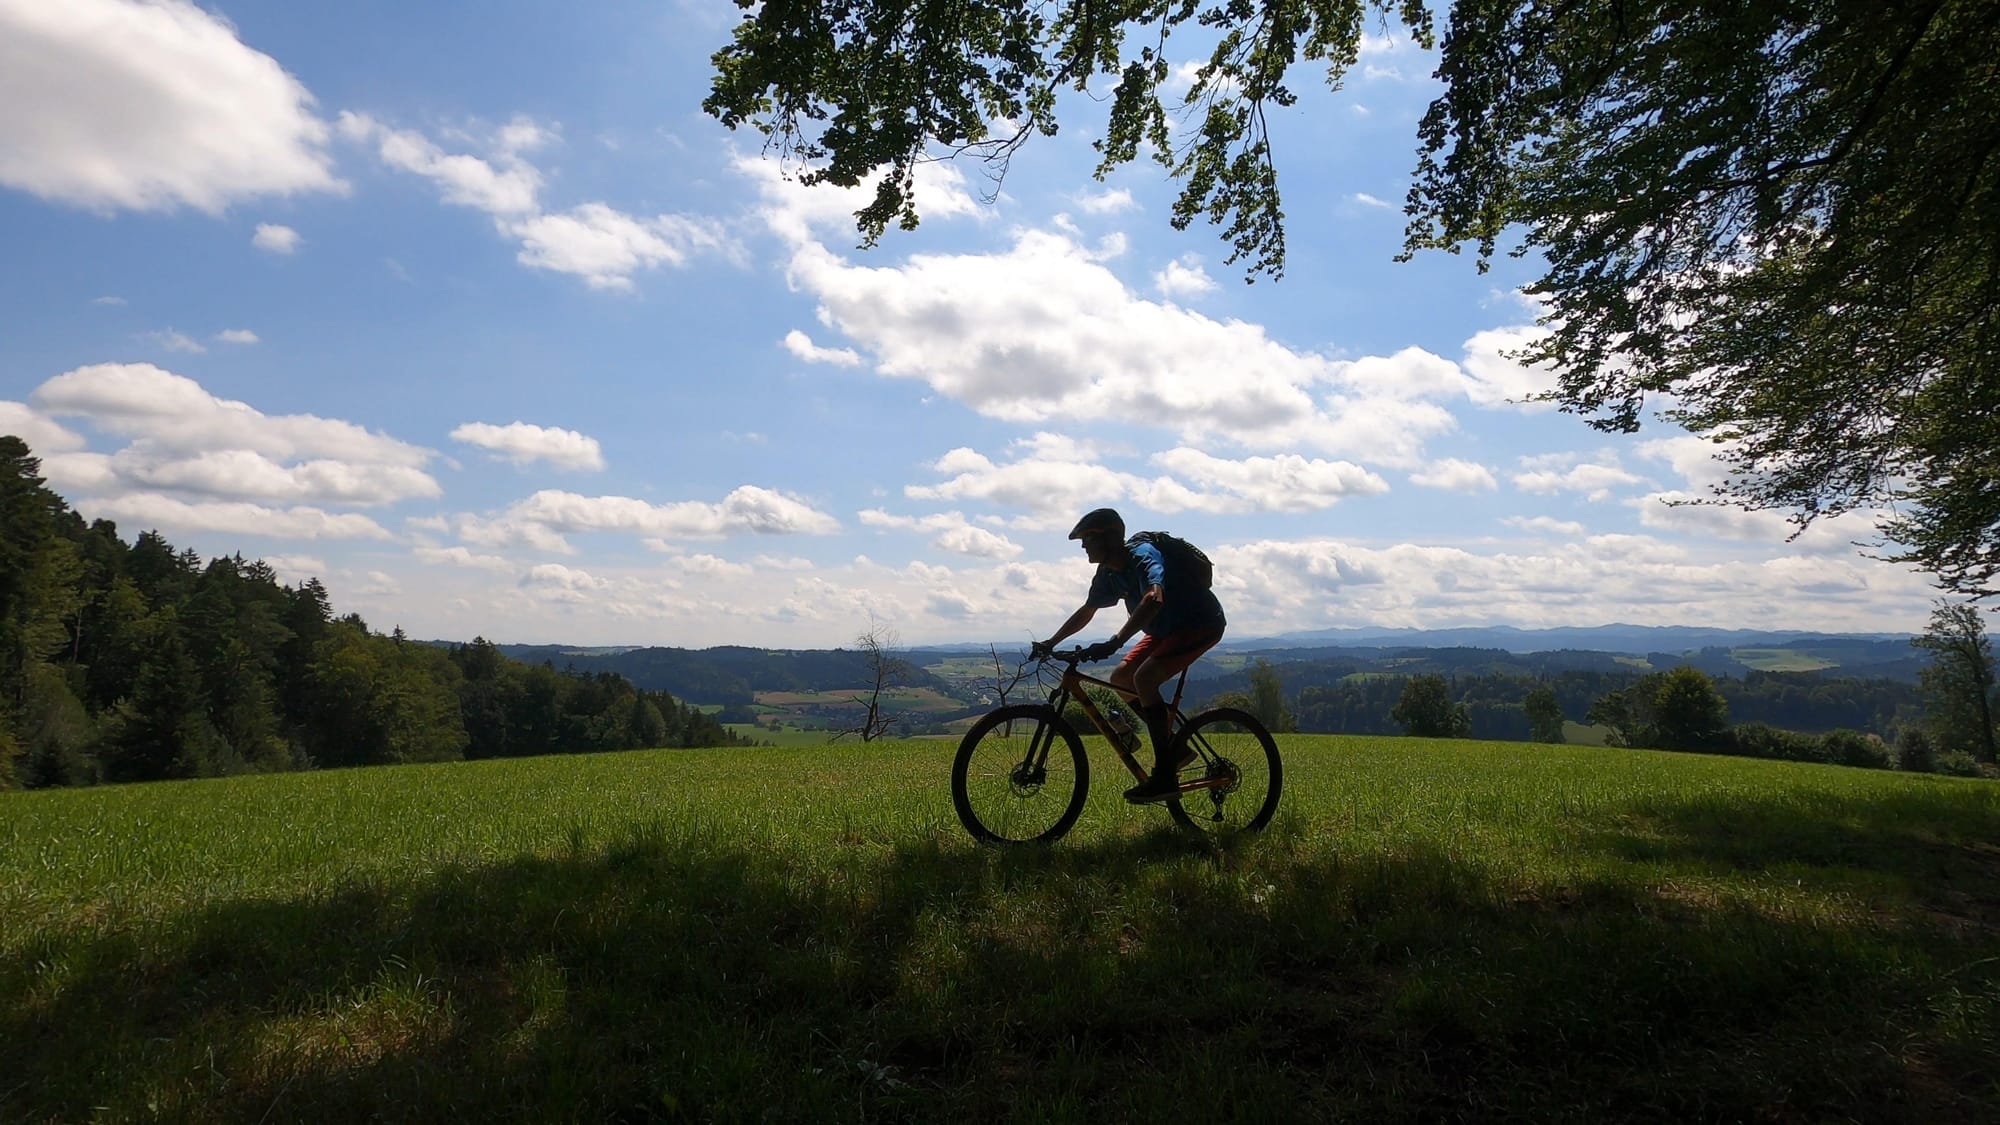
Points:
1149	607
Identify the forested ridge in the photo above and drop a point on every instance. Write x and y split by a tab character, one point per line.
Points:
136	662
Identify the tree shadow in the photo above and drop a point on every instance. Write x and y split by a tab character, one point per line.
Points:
1935	849
679	974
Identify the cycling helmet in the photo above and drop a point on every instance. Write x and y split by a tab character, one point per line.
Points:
1106	520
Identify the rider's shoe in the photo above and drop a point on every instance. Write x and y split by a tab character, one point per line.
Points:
1162	785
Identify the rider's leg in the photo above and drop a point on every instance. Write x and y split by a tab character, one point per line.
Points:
1139	677
1151	663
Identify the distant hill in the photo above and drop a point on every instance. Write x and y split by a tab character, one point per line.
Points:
1636	640
727	674
733	673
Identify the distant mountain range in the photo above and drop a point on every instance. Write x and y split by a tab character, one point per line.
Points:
1636	640
735	673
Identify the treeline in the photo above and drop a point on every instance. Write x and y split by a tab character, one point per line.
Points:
139	662
733	674
1326	700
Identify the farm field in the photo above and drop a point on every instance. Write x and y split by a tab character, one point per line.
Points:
1491	931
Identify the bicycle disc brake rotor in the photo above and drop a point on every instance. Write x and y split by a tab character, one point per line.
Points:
1026	780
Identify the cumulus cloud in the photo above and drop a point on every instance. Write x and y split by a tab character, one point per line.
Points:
461	557
275	239
1107	202
1049	478
152	509
187	441
43	434
1184	277
593	241
1547	524
523	444
605	246
801	345
1494	379
1561	472
954	533
1638	579
1455	475
1285	483
174	341
544	519
115	104
1044	330
295	569
798	213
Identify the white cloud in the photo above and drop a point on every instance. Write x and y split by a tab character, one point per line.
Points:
460	557
542	520
606	247
1285	483
594	241
114	104
1493	379
1595	479
1107	202
1546	524
522	444
1367	200
235	518
174	412
469	181
955	535
295	569
275	238
43	434
796	212
1455	475
173	341
113	301
801	345
556	582
188	441
236	336
1043	331
1184	277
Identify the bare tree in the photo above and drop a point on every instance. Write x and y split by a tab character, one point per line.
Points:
886	672
1006	679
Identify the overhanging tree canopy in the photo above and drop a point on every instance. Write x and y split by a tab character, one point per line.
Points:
1782	214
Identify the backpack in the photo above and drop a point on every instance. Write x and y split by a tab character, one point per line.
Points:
1183	559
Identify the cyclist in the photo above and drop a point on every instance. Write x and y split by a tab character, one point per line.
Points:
1181	621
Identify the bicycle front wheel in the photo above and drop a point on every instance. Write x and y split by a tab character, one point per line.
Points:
1237	768
1020	776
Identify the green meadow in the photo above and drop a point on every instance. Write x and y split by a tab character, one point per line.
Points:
1430	931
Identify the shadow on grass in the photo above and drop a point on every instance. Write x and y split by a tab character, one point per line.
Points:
1934	850
680	974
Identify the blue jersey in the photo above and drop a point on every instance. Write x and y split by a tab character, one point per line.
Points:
1187	606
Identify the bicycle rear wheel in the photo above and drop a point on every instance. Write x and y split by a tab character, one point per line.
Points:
1020	776
1238	761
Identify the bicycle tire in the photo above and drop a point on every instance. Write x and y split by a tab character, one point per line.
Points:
1229	740
995	802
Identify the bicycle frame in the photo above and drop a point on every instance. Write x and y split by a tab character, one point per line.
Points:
1072	686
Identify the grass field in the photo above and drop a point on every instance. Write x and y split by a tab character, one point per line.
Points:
1780	660
1431	931
789	736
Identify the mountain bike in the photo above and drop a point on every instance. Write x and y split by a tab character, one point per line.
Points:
1021	775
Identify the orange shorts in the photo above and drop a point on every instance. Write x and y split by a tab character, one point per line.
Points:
1174	651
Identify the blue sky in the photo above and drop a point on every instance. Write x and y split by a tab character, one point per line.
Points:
471	312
